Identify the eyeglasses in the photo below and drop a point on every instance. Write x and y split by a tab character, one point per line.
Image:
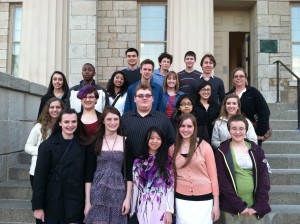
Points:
142	96
186	104
205	90
89	97
239	76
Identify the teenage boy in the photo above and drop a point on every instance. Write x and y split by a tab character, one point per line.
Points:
132	72
164	60
147	67
189	74
88	73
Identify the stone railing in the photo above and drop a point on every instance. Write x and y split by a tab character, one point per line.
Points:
19	102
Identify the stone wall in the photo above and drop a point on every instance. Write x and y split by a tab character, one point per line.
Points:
271	20
117	31
19	101
4	20
82	37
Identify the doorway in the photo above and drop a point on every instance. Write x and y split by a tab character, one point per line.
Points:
239	52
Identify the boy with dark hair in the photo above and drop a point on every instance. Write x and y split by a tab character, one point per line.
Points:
132	72
147	67
165	60
189	74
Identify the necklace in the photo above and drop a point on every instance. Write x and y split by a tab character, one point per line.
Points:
111	149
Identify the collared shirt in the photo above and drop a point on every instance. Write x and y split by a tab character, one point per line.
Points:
206	78
135	127
157	77
157	94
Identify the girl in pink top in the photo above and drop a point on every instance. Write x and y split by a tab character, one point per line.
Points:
197	190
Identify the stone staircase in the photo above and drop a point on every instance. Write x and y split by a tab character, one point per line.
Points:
283	153
15	194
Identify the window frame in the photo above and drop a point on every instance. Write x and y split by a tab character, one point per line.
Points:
140	5
12	7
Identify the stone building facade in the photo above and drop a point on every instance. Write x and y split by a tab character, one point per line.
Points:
65	34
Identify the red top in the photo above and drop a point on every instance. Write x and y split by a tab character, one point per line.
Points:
91	128
169	109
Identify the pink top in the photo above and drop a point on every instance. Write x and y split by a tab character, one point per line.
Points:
200	176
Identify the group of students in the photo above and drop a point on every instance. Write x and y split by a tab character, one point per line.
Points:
115	158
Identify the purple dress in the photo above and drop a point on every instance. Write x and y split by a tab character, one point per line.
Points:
152	196
108	190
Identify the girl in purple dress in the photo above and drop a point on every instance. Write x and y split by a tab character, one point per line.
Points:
153	181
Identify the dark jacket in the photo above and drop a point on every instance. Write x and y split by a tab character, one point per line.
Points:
229	200
256	109
47	97
206	117
60	192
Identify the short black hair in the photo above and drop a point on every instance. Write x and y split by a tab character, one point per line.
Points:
131	49
190	53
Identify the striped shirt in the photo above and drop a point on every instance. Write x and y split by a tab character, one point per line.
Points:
186	79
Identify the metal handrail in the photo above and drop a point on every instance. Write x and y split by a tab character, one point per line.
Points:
278	63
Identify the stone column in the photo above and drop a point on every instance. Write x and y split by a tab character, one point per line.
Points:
43	39
190	28
82	37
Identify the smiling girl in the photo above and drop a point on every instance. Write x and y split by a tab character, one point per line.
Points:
42	130
230	106
153	183
171	93
197	190
58	87
61	171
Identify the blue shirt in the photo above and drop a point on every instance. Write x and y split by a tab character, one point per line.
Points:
157	77
157	92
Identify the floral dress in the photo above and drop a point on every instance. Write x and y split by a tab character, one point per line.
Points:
152	196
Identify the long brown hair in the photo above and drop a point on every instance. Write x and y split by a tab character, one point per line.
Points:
101	132
193	141
165	85
45	119
223	112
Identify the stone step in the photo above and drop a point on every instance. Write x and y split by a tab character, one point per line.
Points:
16	211
283	214
284	161
281	147
24	158
285	177
282	106
285	135
19	172
283	124
285	195
284	115
15	189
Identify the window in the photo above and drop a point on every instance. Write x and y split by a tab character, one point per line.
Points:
14	40
295	19
153	31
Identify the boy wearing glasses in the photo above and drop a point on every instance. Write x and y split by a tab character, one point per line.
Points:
147	67
135	124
